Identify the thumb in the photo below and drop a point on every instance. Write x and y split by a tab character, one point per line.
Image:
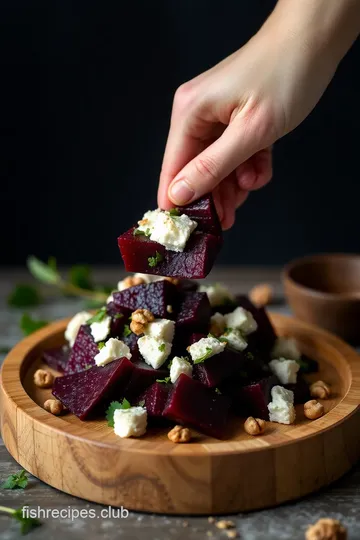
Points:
241	139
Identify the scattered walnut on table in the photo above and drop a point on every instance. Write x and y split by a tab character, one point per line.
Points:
232	533
179	434
54	406
326	529
43	378
320	389
254	426
261	295
225	524
139	319
313	409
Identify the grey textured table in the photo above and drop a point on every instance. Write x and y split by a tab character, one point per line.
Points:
289	521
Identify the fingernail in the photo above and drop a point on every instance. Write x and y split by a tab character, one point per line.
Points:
181	192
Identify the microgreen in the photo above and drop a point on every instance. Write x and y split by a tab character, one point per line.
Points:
166	380
217	391
114	405
98	317
101	345
154	261
29	325
118	315
174	212
162	347
138	232
205	356
16	481
126	331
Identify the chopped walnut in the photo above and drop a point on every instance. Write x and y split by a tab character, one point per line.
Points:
43	378
261	295
232	533
225	524
216	328
326	529
254	426
139	320
320	389
179	434
313	409
131	281
173	280
143	222
54	406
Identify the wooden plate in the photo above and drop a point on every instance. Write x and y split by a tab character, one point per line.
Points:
207	476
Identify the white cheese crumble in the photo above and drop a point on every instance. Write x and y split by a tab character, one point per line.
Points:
73	327
281	408
286	348
146	224
154	351
178	366
161	329
285	370
241	319
217	293
101	330
172	231
205	348
112	350
130	422
110	299
235	339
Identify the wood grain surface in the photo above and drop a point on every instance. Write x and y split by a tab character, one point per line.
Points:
207	476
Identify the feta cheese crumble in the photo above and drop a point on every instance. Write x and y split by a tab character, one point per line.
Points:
217	293
73	327
101	330
285	370
281	408
205	348
112	350
130	422
169	230
286	348
154	351
178	366
241	319
161	329
234	339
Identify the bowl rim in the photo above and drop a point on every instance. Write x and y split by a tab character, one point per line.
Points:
289	267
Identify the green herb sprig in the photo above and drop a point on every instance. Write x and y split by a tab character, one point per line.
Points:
114	405
16	481
205	356
26	523
154	261
29	325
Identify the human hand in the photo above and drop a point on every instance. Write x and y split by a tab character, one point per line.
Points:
225	120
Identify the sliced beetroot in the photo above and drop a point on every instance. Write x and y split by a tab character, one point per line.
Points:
194	313
155	297
83	352
219	367
301	390
132	342
203	211
89	392
142	377
155	399
57	358
264	338
188	285
195	262
192	404
254	398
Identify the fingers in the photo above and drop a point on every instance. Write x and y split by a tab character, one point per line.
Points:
228	197
256	172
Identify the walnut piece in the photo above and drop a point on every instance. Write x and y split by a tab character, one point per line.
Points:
320	389
43	378
216	328
232	533
179	434
139	320
131	281
254	426
313	409
225	524
326	529
261	295
173	280
54	406
143	221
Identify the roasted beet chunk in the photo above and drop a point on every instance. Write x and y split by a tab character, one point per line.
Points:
192	404
131	340
217	368
155	399
155	297
194	314
141	378
254	398
83	352
89	392
264	337
57	358
204	213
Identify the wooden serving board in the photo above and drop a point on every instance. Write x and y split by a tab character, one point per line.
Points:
206	476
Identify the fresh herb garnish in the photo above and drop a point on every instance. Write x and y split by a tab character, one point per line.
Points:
16	481
101	345
249	355
138	232
208	353
166	380
114	405
29	325
98	317
80	276
87	366
154	261
174	212
217	391
126	331
23	296
26	523
118	315
148	232
47	273
162	347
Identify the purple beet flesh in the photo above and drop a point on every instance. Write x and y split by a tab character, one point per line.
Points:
83	352
155	399
141	378
155	297
57	358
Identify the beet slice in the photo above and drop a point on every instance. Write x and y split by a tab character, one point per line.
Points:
142	377
83	352
57	358
155	399
192	404
264	338
132	342
203	211
195	262
194	314
217	368
89	392
254	398
155	297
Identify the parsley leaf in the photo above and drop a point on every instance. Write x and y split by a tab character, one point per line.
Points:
24	296
16	481
166	380
162	347
154	261
174	212
29	325
101	345
26	522
205	356
118	315
138	232
114	405
42	271
99	316
80	276
127	331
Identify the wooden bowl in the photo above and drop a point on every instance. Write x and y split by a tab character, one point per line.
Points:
325	290
206	476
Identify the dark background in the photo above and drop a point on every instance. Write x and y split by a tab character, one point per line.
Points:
86	93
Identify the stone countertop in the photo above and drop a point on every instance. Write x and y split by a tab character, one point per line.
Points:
341	500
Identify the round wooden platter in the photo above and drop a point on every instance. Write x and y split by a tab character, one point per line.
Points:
206	476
